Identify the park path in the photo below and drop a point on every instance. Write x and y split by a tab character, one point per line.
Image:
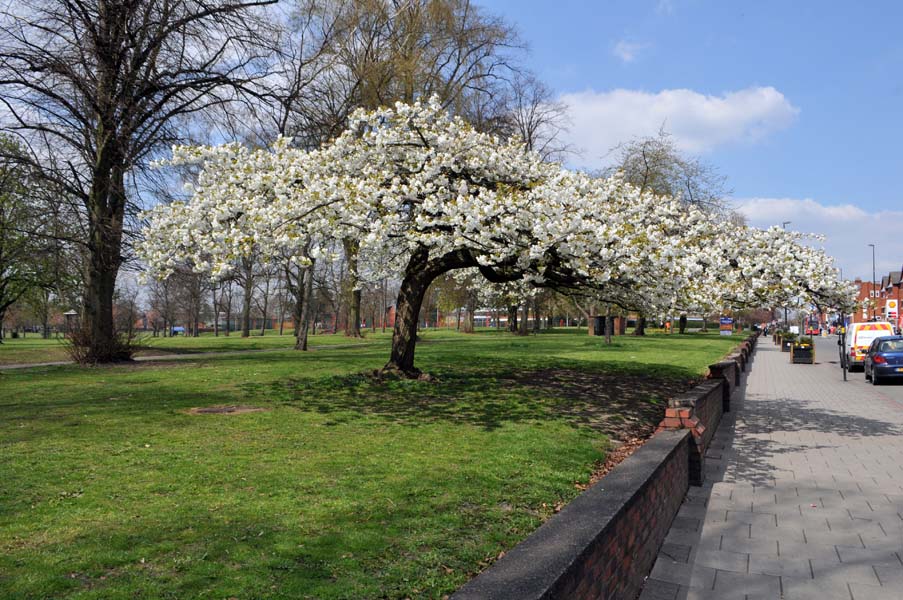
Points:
188	355
803	495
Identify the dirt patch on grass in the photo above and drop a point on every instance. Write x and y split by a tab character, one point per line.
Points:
235	409
623	406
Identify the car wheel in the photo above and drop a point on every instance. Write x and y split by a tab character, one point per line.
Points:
875	380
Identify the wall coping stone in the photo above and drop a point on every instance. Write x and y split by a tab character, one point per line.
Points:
699	391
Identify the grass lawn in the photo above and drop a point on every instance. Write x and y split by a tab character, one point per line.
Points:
342	487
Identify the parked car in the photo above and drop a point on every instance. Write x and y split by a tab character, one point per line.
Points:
859	337
884	359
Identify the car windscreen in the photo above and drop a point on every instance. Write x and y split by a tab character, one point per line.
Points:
891	346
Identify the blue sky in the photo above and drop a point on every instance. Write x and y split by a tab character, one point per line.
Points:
799	104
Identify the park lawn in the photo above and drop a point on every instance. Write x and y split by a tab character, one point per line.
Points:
34	349
343	487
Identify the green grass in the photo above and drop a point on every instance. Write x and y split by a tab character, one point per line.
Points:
342	488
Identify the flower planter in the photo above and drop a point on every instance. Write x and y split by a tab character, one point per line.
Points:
802	354
786	345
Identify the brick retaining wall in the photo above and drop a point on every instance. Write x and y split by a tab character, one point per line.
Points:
699	410
603	544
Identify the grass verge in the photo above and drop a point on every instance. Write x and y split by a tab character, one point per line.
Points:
341	487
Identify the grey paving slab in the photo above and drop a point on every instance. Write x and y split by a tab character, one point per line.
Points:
804	491
804	588
751	584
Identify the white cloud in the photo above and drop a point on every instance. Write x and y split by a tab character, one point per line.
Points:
628	51
848	229
664	7
698	122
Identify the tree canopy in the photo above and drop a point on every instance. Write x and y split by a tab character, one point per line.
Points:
423	193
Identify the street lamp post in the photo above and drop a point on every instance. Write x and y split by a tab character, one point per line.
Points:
786	320
874	299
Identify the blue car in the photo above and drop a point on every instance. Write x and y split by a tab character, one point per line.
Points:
884	359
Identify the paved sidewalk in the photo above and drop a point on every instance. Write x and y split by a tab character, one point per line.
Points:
803	497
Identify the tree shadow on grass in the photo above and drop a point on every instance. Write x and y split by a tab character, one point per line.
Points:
619	405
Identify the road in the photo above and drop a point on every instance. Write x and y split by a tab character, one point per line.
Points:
826	353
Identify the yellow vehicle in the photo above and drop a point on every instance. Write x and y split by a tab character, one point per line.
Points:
859	337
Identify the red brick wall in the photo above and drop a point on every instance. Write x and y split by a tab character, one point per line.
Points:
604	543
625	553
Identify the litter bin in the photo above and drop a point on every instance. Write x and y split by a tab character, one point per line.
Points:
598	325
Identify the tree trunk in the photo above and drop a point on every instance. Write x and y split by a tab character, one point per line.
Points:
609	325
524	318
282	315
420	272
106	210
246	310
215	312
705	324
298	312
471	307
640	328
263	325
306	312
537	321
98	320
682	323
407	314
385	308
512	318
353	328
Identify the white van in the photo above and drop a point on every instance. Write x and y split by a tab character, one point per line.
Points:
859	337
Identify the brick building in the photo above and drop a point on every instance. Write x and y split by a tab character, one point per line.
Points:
880	300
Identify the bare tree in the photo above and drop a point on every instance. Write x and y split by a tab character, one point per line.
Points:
245	275
534	115
656	164
164	303
386	51
31	258
101	85
190	291
227	295
264	284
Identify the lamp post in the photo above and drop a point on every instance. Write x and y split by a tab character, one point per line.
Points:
874	299
786	320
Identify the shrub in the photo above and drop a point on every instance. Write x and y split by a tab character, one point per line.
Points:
85	350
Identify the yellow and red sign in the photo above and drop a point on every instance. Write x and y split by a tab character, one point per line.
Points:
891	309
